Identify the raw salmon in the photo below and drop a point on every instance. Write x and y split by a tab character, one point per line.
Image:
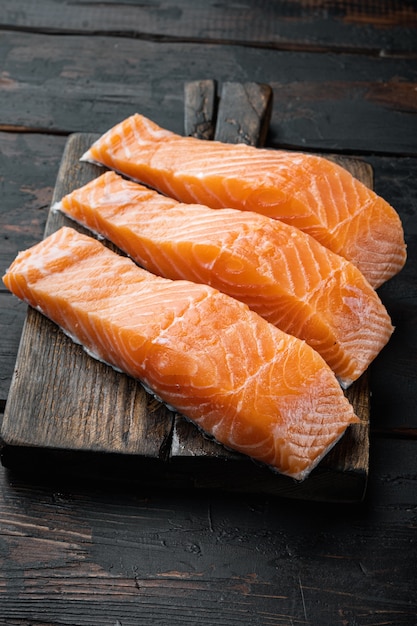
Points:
252	387
307	191
280	272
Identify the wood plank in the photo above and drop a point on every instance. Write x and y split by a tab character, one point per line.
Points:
12	316
200	109
29	166
77	551
95	408
295	25
322	102
98	409
244	113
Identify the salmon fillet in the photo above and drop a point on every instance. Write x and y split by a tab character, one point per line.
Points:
252	387
304	190
277	270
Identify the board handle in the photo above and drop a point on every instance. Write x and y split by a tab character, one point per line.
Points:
241	114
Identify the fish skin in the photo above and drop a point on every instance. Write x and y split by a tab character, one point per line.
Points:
252	387
304	190
277	270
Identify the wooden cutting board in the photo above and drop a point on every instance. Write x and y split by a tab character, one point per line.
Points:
71	414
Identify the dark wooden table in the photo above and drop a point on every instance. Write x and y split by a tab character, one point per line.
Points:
88	551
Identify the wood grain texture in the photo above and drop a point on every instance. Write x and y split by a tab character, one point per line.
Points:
29	166
200	108
86	552
12	316
241	114
244	113
322	102
376	27
77	552
97	409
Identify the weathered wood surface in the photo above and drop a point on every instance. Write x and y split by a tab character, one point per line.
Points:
244	113
76	553
200	108
79	552
241	113
344	102
97	409
364	26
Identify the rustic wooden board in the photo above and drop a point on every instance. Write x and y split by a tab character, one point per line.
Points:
64	408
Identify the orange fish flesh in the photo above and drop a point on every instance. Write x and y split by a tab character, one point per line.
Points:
277	270
252	387
310	192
